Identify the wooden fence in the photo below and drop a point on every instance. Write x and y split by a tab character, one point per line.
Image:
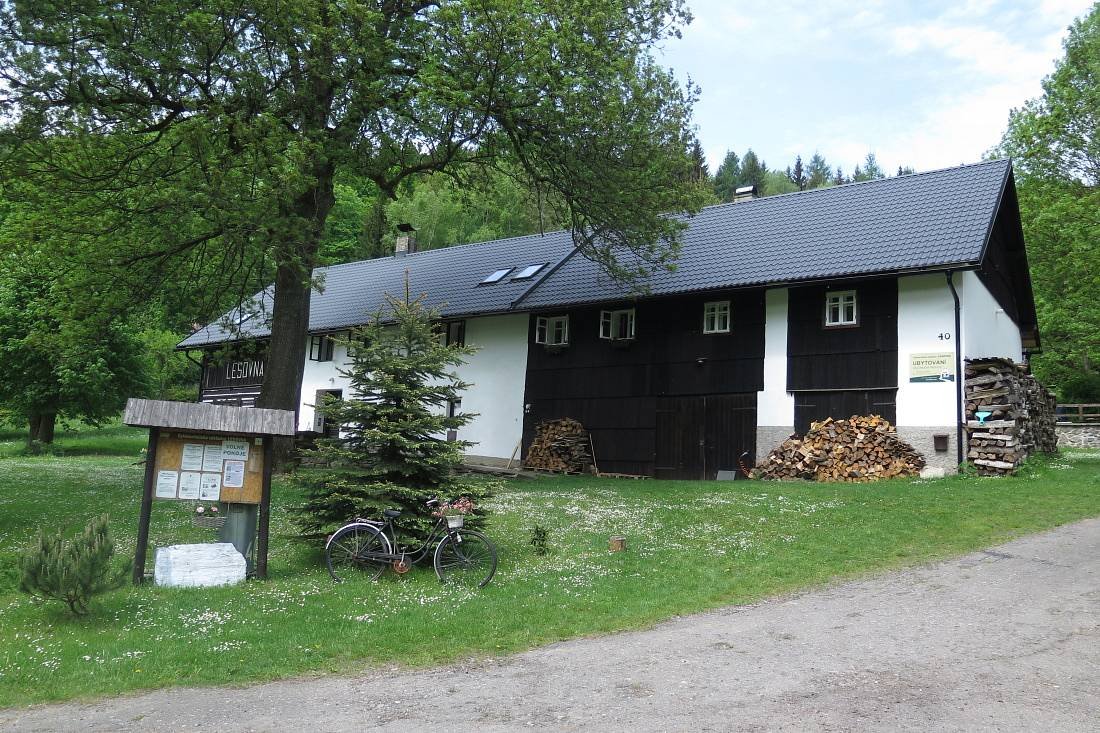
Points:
1078	414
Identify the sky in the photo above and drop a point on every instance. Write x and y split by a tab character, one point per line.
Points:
921	84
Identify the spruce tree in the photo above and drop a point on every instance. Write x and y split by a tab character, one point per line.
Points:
728	177
818	173
392	450
798	174
753	171
72	572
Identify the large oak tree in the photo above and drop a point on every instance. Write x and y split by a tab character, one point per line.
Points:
172	134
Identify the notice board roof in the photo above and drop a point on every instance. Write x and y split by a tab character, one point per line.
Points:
209	418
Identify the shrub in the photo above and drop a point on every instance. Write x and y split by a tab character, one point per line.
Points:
75	571
540	539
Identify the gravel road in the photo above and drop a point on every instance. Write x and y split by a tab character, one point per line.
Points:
1005	639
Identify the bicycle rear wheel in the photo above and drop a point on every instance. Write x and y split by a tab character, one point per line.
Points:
348	552
466	558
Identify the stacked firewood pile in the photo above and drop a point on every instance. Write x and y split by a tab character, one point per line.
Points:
1020	417
559	445
861	448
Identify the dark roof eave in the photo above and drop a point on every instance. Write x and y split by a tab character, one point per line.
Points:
900	272
947	267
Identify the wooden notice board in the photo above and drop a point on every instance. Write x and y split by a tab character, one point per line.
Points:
205	467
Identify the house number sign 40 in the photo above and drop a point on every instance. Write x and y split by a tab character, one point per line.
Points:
945	336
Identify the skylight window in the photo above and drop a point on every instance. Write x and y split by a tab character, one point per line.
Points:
528	271
496	276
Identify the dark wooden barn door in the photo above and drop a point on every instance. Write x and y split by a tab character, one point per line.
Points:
730	431
698	436
810	407
680	438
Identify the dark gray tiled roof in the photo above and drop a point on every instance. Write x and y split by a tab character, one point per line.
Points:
449	278
927	220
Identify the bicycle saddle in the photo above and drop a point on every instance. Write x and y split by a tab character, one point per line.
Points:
391	513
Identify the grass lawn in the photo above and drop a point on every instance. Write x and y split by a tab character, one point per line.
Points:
692	546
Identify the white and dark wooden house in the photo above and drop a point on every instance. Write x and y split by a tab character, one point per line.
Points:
862	298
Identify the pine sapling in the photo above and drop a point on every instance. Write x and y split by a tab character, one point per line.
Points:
72	572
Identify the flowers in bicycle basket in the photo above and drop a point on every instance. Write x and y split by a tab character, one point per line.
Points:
458	507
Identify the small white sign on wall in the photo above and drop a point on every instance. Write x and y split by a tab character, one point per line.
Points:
936	367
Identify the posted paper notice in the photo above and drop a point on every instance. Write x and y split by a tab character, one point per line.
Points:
234	474
166	484
210	488
189	484
212	458
192	457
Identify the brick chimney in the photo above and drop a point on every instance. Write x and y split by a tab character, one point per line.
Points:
406	240
744	193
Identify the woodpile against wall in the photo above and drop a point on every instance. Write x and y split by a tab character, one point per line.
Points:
861	448
1018	416
559	445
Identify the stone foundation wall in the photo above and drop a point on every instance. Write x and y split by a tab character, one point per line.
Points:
1078	436
768	438
920	437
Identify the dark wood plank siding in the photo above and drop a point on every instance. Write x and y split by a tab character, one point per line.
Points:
864	356
232	381
814	406
612	387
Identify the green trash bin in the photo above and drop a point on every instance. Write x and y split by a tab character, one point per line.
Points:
239	529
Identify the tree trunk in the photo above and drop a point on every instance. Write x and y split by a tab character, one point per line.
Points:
47	423
33	423
286	351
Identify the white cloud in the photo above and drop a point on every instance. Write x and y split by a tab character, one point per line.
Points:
927	85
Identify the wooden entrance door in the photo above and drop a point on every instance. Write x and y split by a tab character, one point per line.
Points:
696	437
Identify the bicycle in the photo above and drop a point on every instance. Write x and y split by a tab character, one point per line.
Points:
463	556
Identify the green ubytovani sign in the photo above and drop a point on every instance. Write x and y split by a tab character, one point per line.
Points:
932	367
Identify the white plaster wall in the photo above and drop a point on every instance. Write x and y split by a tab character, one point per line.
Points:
775	405
926	311
497	372
987	329
321	375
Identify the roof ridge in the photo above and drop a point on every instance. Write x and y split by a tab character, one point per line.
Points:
823	189
449	247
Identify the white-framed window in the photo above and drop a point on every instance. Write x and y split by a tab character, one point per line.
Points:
716	316
617	325
552	330
320	347
840	308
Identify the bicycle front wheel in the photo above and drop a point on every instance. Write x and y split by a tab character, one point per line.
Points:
349	551
466	558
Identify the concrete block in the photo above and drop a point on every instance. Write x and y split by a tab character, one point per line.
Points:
193	566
